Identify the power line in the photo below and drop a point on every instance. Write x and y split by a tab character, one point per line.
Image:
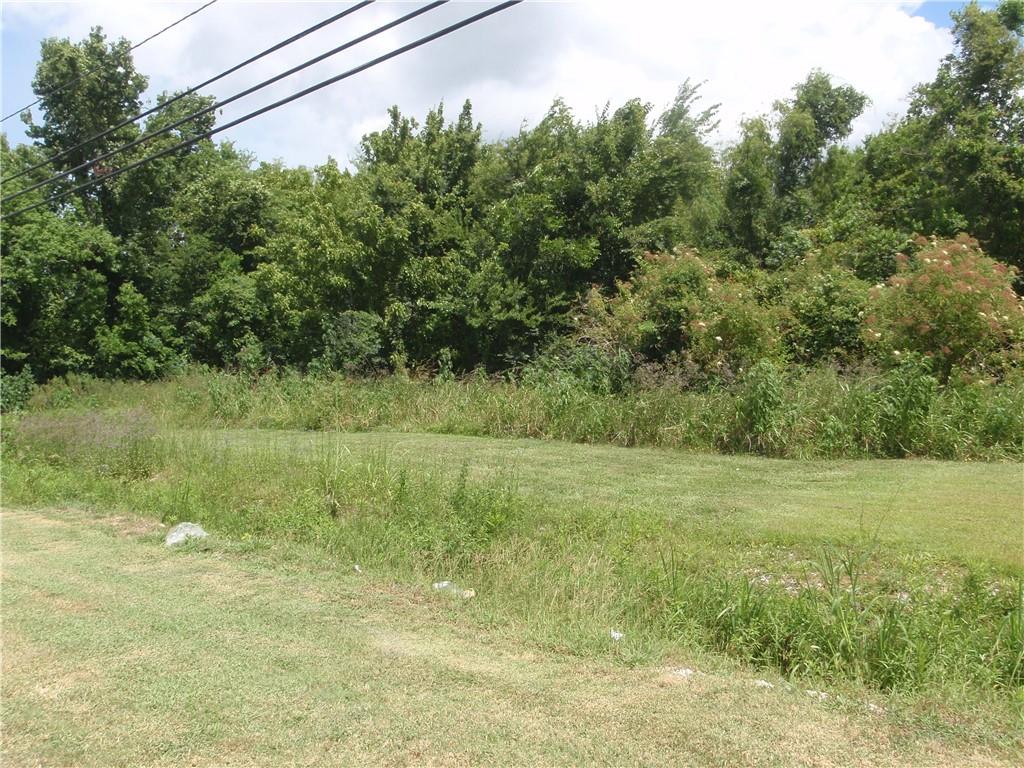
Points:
193	89
220	104
92	71
280	103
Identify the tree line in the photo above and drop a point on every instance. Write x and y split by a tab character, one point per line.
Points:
626	242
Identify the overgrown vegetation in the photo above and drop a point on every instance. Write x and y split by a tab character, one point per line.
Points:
769	410
626	244
865	614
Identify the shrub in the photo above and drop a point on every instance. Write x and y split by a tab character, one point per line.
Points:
826	316
674	307
732	330
16	389
949	302
851	237
353	341
651	315
597	370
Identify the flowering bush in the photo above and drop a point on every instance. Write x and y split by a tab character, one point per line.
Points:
949	302
676	305
733	331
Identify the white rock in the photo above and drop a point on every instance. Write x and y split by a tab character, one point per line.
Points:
182	532
819	695
683	672
763	684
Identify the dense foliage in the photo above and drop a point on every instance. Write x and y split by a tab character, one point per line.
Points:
625	246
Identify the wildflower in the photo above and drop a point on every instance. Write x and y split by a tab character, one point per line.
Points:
718	338
896	352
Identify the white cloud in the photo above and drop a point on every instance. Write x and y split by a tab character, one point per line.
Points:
512	65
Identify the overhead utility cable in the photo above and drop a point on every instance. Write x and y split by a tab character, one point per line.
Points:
91	71
190	91
280	103
224	102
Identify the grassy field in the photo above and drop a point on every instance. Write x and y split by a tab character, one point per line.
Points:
894	587
959	511
118	651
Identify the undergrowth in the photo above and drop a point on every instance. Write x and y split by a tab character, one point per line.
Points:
768	411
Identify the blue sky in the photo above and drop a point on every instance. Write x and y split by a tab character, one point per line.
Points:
511	66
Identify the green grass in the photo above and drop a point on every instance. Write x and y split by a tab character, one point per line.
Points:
892	579
958	512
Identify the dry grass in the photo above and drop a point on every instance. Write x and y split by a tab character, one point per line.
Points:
216	656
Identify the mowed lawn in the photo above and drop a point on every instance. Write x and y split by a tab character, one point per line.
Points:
959	511
120	652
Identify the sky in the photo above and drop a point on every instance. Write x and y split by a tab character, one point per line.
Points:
511	66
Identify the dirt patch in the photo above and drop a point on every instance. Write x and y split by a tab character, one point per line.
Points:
133	526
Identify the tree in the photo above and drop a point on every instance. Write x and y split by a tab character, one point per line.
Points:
83	89
54	292
749	188
774	167
956	161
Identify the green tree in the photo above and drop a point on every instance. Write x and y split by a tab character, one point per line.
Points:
104	89
136	345
956	161
54	292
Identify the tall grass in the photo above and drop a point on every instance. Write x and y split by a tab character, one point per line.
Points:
816	413
566	574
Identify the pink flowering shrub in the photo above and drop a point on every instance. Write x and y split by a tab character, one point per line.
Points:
949	302
674	306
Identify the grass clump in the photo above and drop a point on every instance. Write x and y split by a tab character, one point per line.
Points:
837	625
119	444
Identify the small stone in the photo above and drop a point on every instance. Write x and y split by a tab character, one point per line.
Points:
875	708
819	695
763	684
182	532
616	635
683	672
